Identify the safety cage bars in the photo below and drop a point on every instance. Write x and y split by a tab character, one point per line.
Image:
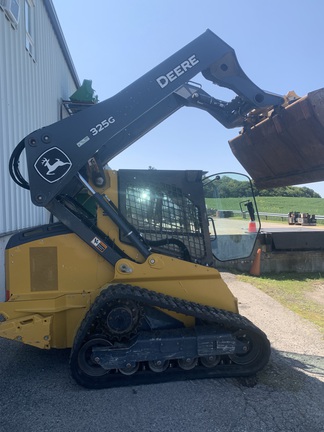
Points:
169	220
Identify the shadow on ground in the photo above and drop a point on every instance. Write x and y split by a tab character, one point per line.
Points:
38	394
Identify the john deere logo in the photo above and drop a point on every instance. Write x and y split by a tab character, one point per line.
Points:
52	165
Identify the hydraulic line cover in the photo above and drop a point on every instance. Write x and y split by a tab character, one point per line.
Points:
287	148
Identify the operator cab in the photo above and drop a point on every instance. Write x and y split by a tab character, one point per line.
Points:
188	215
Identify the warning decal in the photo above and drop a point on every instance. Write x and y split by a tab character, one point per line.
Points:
101	246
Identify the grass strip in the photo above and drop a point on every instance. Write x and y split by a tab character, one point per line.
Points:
299	292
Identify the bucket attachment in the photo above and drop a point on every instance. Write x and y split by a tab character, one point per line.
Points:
287	148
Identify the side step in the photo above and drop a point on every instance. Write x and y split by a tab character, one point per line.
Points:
288	147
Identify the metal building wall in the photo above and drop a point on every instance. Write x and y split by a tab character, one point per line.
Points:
31	90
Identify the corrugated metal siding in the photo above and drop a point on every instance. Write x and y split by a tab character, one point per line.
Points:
31	91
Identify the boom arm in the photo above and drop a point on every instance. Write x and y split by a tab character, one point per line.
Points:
56	153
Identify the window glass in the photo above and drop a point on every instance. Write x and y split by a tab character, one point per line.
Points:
29	27
233	219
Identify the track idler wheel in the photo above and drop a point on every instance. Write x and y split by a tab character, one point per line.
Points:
86	362
253	349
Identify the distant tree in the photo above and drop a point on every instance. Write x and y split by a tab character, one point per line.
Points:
228	187
288	191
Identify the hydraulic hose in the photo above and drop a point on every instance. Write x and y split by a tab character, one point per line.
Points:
14	170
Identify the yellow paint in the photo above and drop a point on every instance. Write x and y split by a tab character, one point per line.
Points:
49	314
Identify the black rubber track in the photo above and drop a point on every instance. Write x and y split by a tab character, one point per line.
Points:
229	320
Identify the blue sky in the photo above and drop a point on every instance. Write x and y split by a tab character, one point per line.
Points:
279	45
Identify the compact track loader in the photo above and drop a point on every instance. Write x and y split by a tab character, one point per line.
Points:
127	278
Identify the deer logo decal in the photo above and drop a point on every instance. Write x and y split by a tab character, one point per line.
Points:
52	165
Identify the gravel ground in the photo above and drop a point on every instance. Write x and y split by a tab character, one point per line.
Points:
37	393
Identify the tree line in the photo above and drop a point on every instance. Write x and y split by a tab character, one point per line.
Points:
231	188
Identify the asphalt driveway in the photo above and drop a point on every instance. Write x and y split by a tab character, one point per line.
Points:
38	394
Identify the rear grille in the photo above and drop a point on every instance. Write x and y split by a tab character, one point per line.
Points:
43	268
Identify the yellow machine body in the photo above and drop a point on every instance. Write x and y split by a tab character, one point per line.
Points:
52	282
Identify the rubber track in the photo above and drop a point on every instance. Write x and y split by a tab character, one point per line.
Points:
228	320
